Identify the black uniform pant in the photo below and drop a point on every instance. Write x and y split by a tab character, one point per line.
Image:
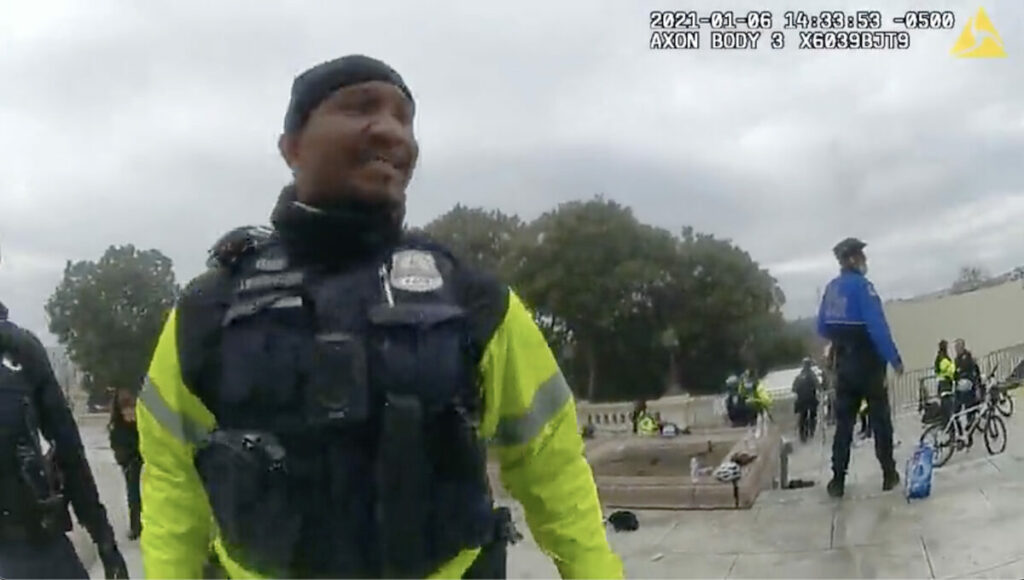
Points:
807	416
851	390
132	474
741	413
51	558
865	422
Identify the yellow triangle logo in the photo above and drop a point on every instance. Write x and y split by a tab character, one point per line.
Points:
980	39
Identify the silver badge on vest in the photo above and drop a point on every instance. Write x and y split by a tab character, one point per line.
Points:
415	271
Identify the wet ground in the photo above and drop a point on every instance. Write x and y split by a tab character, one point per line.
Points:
969	528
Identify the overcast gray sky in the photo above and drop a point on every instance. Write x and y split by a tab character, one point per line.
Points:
155	123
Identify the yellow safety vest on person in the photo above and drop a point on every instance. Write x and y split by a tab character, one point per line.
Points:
646	424
757	395
529	415
947	370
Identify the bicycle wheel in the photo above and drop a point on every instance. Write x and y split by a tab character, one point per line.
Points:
942	441
1005	404
995	435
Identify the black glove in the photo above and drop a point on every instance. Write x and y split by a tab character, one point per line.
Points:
113	561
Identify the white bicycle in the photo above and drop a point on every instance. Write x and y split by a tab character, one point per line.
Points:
952	435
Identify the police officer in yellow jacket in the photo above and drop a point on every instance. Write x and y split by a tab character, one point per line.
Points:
643	421
945	373
754	390
324	394
945	370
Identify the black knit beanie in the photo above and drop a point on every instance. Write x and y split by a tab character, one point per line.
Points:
316	84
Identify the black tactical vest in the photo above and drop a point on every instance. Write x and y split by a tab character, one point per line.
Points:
30	501
347	406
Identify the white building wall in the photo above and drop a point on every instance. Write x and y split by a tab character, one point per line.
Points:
988	319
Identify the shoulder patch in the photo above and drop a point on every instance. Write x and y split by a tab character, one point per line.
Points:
415	271
237	243
871	289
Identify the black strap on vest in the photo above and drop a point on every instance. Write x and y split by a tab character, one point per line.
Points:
402	471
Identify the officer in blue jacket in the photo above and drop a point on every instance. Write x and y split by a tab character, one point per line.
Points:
851	317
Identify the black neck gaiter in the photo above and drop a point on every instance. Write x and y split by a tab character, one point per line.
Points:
346	231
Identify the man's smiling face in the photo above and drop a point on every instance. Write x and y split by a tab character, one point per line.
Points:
358	143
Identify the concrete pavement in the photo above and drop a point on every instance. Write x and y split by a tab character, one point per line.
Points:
112	494
970	527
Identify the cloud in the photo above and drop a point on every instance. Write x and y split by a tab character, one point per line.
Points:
156	124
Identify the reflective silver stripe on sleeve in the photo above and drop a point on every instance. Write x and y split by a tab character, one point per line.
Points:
549	399
184	428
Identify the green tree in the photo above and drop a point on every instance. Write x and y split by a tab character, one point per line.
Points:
725	310
630	309
482	238
108	314
806	331
585	268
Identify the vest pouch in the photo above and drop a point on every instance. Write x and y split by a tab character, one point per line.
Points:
41	508
57	504
461	497
54	517
32	470
432	492
338	388
35	474
246	479
422	348
403	485
263	357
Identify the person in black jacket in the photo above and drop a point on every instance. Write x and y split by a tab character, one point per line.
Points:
806	387
967	379
124	441
966	366
34	492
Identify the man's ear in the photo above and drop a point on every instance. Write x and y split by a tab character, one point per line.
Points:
287	145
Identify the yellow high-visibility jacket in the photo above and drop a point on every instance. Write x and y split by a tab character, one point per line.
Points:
529	418
756	394
947	369
646	425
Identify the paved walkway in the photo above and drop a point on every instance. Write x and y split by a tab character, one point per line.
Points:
969	528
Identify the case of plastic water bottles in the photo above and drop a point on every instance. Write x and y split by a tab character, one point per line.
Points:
919	472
